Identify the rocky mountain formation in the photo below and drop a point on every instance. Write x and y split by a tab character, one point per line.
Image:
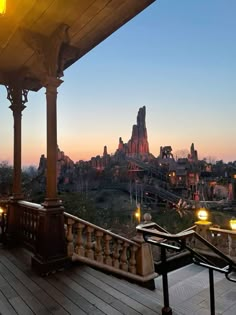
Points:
68	171
138	144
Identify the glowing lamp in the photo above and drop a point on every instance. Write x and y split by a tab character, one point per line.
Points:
202	214
2	7
232	223
1	210
138	213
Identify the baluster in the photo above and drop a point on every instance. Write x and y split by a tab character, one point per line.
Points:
116	254
123	257
80	242
35	225
98	246
23	222
132	260
107	251
89	245
69	237
27	224
30	225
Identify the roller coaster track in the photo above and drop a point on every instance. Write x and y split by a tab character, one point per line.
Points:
149	168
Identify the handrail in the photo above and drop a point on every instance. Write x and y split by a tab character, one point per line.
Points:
144	228
152	231
30	205
147	232
213	248
223	231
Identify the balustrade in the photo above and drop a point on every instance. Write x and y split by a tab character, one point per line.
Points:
29	221
101	248
98	247
224	240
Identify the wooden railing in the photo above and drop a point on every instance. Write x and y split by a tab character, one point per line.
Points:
103	249
224	240
29	219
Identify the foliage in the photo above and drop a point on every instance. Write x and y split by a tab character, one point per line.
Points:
79	204
6	177
172	221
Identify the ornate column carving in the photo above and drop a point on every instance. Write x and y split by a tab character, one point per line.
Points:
51	85
50	52
51	58
51	251
17	97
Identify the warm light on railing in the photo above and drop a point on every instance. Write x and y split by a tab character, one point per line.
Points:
2	7
138	213
232	223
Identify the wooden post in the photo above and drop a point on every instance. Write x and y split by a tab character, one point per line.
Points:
51	250
17	97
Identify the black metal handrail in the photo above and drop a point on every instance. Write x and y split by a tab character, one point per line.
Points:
156	235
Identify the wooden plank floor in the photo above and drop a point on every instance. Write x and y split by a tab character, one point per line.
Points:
79	290
83	290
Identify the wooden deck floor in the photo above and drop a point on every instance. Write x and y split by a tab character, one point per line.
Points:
83	290
80	290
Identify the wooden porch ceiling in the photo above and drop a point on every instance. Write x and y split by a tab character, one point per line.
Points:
88	21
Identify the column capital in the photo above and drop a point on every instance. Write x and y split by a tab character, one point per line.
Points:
17	97
48	49
51	83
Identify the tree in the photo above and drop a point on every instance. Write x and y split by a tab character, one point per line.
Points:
6	178
210	159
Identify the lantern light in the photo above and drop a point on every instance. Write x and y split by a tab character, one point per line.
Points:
138	213
202	214
2	7
232	223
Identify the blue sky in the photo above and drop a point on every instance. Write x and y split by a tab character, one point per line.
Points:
177	58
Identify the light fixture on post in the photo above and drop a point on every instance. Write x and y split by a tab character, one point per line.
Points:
232	223
202	227
202	215
138	213
2	7
2	224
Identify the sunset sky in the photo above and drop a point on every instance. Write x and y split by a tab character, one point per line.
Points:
178	58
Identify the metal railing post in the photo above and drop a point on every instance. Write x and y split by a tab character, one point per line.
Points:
212	293
166	310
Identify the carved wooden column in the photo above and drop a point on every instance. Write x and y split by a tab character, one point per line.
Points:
51	85
17	97
51	251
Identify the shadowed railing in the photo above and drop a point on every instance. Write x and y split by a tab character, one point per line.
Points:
156	235
224	240
90	244
103	249
29	222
